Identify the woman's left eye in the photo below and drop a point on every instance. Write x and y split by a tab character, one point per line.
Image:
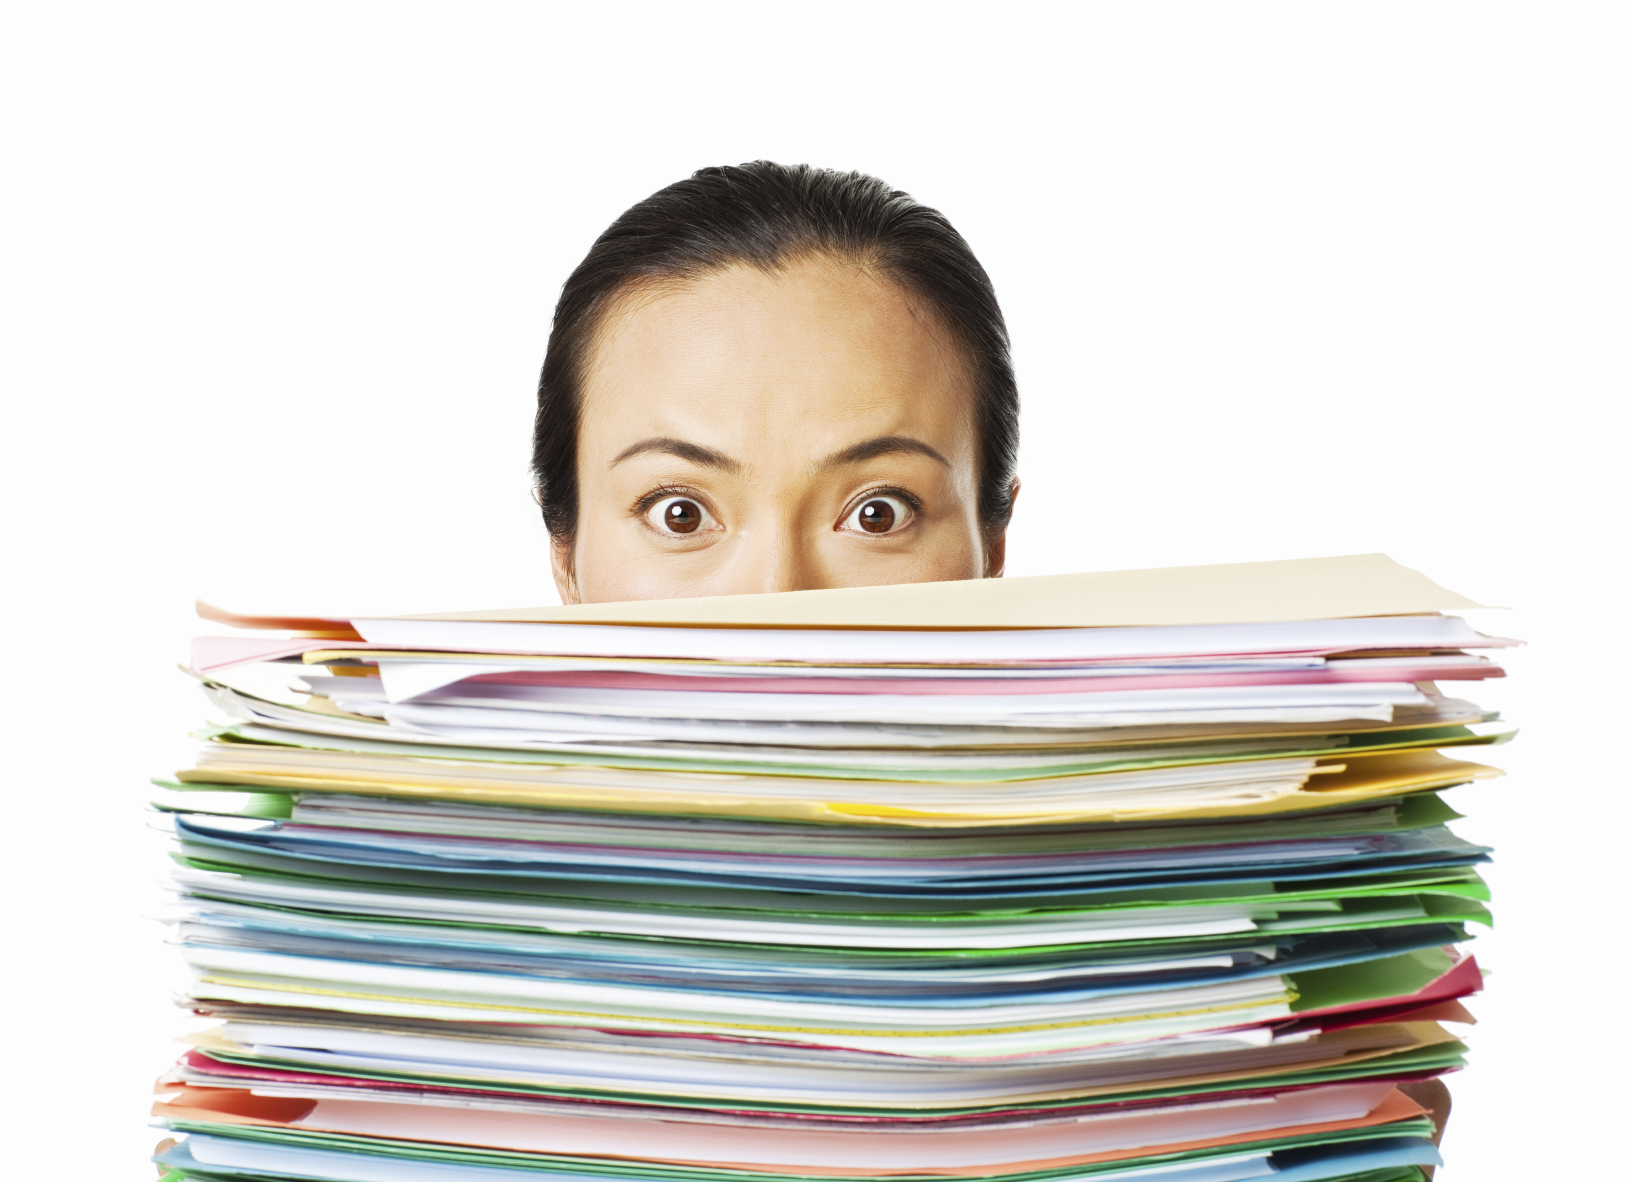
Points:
879	515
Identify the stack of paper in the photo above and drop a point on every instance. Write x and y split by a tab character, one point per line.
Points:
1143	875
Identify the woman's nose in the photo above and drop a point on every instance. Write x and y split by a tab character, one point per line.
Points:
778	558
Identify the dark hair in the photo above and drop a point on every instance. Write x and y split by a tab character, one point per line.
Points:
767	215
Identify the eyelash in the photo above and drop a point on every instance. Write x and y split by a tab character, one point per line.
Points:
886	490
647	501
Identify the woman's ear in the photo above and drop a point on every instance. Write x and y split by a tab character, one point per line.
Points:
564	570
993	557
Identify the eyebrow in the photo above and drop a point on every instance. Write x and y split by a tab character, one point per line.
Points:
683	450
885	445
869	449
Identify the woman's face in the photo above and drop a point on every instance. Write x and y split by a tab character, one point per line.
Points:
748	432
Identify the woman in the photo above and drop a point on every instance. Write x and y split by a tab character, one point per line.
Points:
768	378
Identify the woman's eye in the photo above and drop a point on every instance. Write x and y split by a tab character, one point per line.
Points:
879	515
677	515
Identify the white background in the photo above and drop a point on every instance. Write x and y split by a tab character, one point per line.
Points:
1283	279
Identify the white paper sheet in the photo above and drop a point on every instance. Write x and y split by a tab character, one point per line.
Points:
822	646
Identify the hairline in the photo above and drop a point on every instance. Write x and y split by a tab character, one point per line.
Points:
640	291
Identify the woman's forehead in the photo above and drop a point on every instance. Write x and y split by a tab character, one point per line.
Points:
820	338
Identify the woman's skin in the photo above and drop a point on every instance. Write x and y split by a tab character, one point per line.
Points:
749	431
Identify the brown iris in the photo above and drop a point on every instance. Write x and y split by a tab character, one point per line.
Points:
877	517
682	517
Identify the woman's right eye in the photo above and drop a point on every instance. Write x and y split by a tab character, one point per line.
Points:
678	515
